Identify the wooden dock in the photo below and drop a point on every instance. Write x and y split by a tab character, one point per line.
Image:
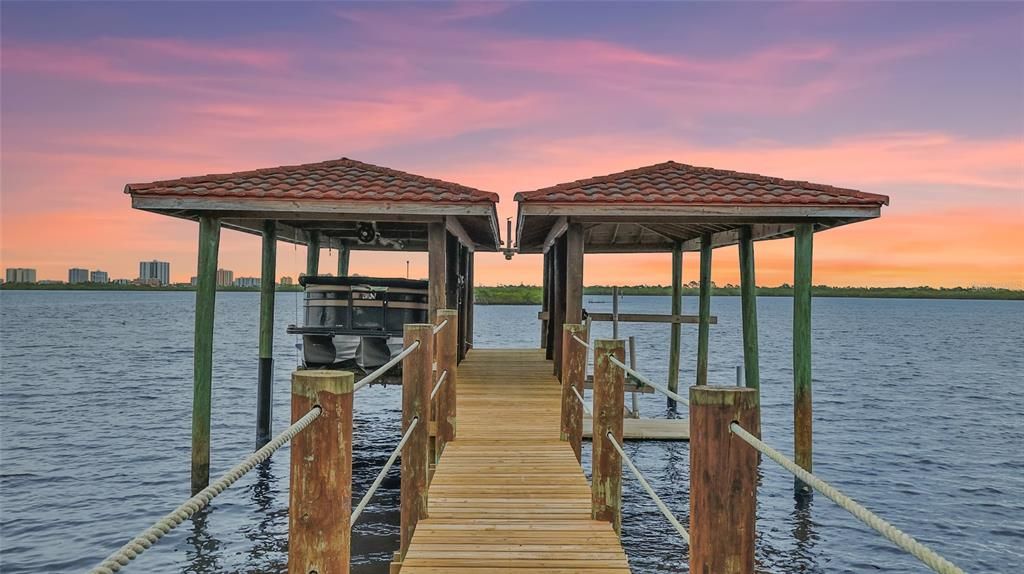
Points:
507	494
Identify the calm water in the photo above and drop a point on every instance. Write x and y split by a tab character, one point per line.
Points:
919	413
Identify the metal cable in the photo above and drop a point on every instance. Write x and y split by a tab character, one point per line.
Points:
440	381
586	409
383	472
895	535
646	381
440	326
581	341
386	366
143	541
650	491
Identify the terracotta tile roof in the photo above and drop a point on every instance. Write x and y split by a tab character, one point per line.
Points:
340	179
675	183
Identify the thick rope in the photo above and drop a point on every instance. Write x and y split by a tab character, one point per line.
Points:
440	381
143	541
895	535
586	409
581	341
650	491
648	382
386	366
440	326
380	475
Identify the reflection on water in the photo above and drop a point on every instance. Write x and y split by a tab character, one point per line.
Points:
123	374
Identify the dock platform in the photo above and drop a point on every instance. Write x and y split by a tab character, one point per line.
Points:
507	494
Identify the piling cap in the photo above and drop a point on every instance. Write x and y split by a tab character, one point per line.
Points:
712	395
310	382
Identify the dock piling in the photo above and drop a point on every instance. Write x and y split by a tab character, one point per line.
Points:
265	374
802	418
446	342
723	479
320	489
574	367
675	335
417	371
748	306
609	395
202	366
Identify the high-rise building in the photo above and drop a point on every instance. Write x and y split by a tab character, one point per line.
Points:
286	280
99	277
247	282
78	275
21	275
225	278
158	272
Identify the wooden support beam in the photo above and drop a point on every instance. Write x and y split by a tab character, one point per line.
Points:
574	368
748	305
417	374
313	253
558	279
574	273
545	305
723	480
802	416
675	338
343	258
446	345
556	231
265	374
202	366
455	228
470	298
606	486
704	314
437	260
320	493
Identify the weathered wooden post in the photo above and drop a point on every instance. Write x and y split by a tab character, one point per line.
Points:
343	257
609	382
574	367
437	267
675	338
704	314
320	488
723	480
313	253
802	421
632	365
748	306
447	361
265	374
202	366
417	371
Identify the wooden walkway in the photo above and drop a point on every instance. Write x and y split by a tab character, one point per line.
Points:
508	495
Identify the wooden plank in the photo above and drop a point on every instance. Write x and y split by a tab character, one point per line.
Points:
508	494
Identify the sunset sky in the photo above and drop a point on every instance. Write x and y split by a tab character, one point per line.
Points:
922	102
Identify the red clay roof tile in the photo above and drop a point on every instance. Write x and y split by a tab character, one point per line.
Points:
672	182
340	179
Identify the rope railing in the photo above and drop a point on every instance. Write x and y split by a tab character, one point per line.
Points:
648	382
926	555
440	326
183	512
386	366
650	491
581	341
383	472
583	402
440	381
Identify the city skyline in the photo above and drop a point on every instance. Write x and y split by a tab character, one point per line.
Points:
923	105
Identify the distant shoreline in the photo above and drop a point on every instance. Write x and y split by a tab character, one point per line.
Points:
531	294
